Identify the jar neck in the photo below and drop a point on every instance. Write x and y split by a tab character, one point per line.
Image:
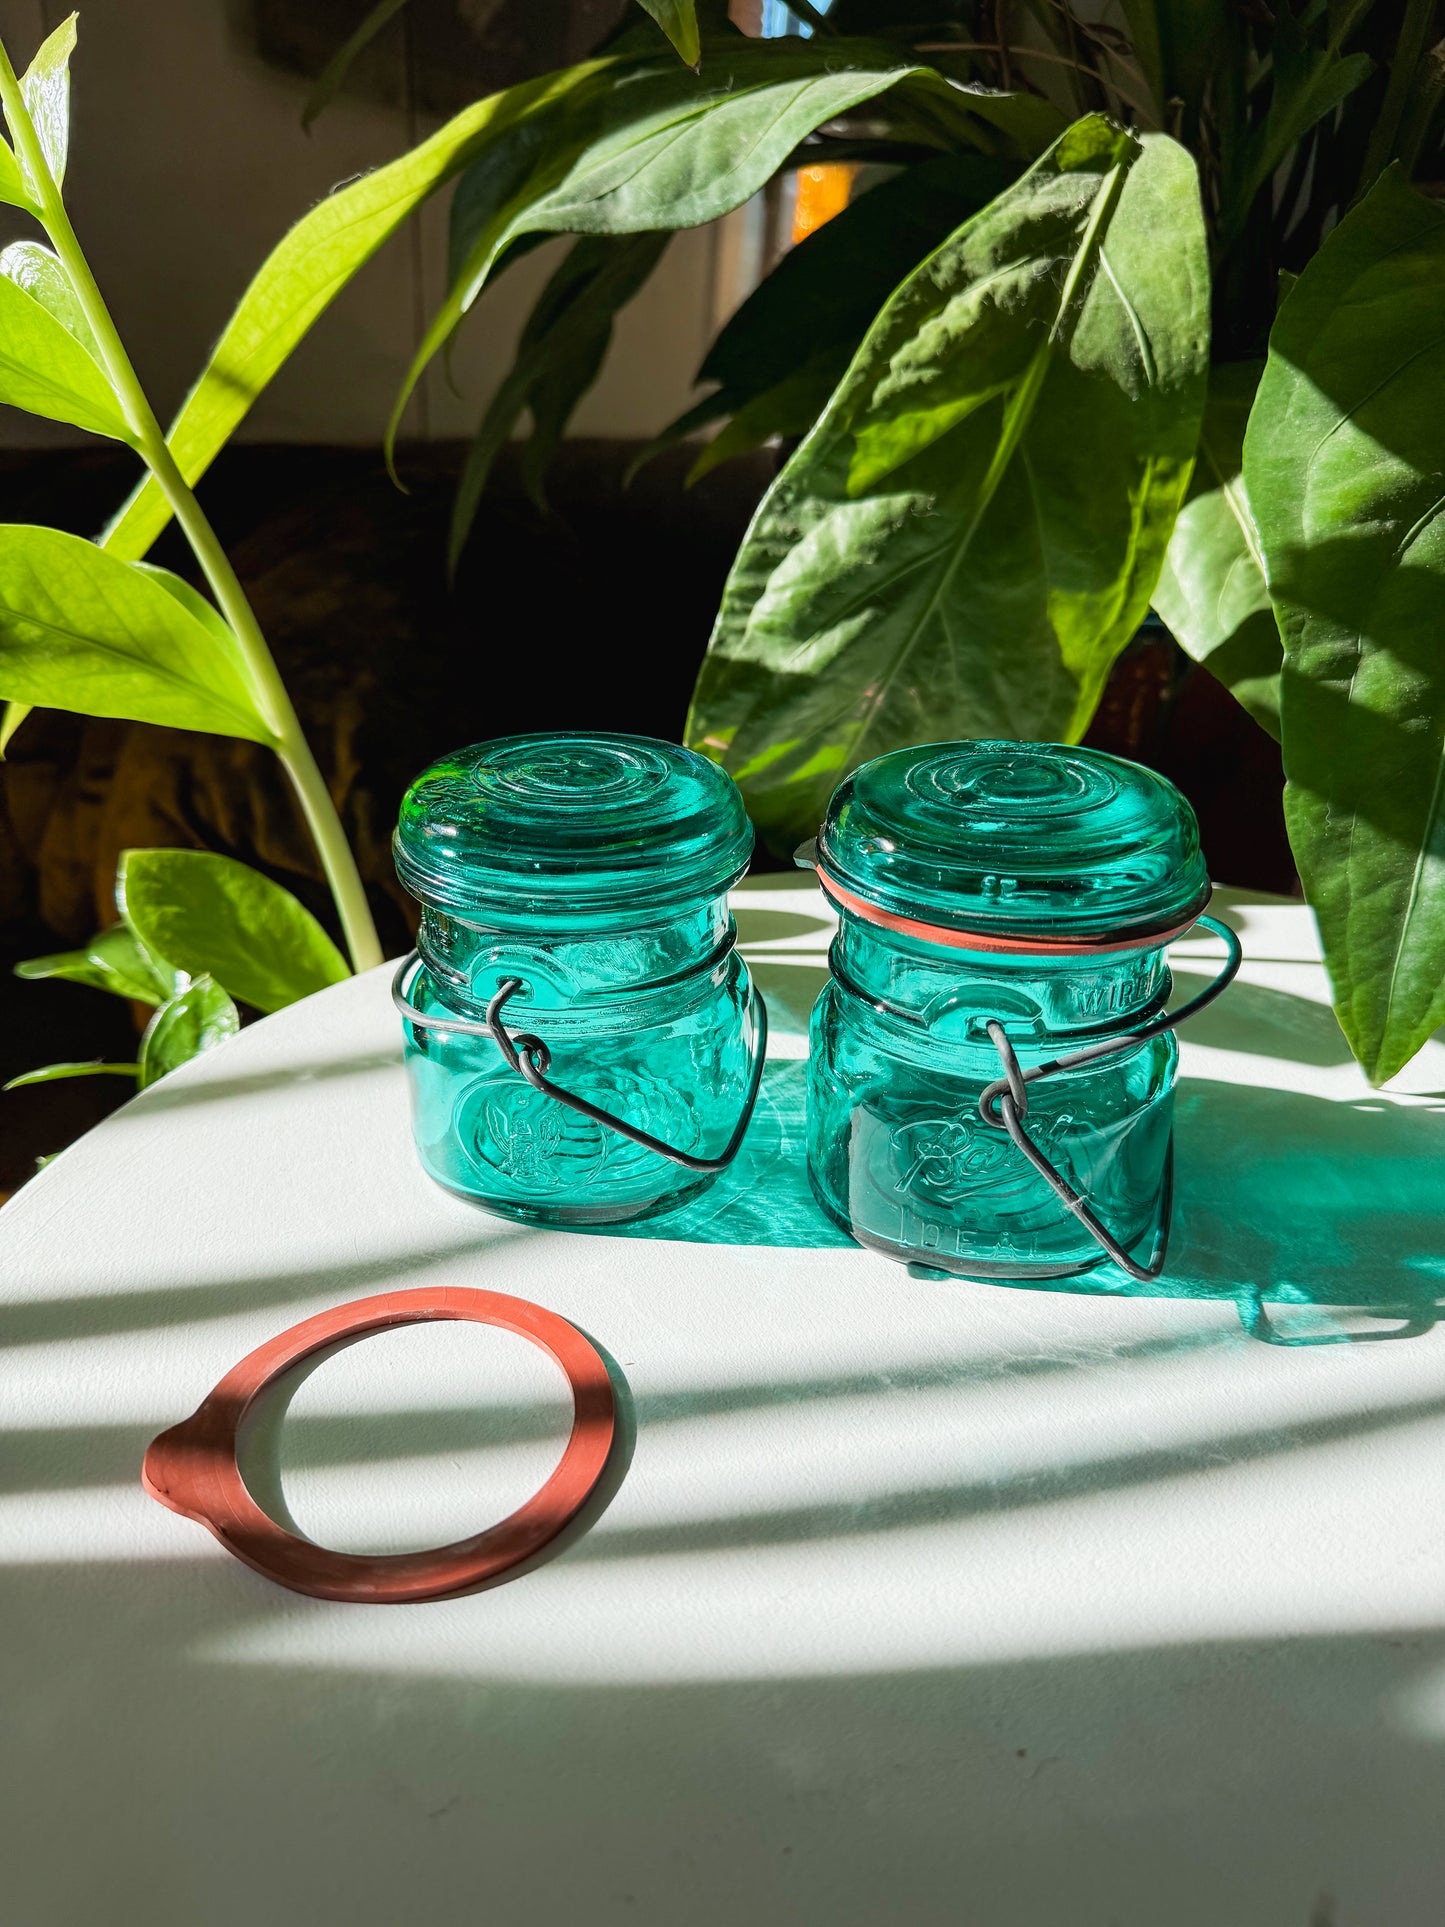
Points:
572	963
954	994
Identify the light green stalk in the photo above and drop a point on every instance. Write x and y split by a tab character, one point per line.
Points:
291	746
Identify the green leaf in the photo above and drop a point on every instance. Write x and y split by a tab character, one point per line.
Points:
333	74
303	275
114	960
1211	592
1311	77
212	915
648	145
42	275
45	370
13	189
788	346
197	1019
558	357
1343	461
790	408
82	631
678	20
973	529
13	716
46	88
52	1073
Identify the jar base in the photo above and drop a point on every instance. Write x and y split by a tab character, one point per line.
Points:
980	1272
576	1217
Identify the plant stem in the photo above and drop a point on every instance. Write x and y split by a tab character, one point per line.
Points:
291	746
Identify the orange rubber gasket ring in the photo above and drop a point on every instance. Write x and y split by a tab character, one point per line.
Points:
192	1467
952	939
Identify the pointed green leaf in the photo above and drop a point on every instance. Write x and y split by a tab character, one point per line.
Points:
113	960
210	914
303	275
558	357
45	370
790	408
52	1073
202	611
788	346
678	20
42	275
649	146
1344	461
13	716
13	189
973	529
81	631
1311	76
1211	592
46	88
333	74
196	1020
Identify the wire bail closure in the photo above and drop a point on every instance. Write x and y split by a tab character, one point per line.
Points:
530	1058
1004	1104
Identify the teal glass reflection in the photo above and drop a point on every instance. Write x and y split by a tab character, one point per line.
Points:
1068	869
595	868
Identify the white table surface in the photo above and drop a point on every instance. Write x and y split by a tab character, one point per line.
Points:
920	1601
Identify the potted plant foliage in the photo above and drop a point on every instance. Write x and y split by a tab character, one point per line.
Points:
1141	312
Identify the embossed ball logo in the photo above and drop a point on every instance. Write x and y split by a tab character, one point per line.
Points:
538	1145
943	1160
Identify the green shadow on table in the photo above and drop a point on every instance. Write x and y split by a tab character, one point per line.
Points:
763	1198
1280	1198
1300	1204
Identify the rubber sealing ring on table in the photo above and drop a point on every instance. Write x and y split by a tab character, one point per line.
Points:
192	1468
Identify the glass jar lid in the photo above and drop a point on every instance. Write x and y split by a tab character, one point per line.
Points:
1027	840
578	822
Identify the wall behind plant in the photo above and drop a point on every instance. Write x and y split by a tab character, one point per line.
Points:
187	163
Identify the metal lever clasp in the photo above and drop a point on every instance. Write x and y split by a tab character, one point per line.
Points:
1004	1104
530	1058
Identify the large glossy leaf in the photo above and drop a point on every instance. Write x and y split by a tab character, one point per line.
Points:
972	531
678	20
1343	461
304	274
195	1020
648	145
1211	592
82	631
45	86
114	960
788	346
46	370
211	915
559	354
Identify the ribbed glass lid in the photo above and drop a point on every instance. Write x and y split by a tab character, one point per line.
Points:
581	821
1023	839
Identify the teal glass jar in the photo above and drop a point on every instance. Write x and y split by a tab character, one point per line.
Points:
991	1078
576	884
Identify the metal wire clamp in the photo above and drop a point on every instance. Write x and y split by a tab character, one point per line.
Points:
530	1058
1004	1104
